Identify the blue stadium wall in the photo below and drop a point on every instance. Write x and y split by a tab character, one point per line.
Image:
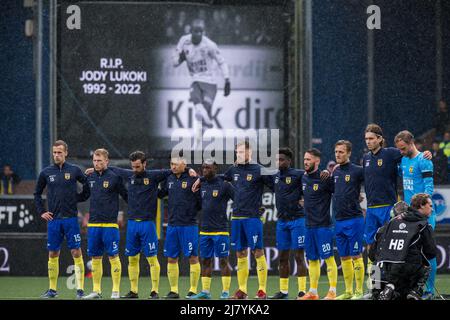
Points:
404	61
404	75
17	91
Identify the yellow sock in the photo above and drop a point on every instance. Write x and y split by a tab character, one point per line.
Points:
155	270
261	268
133	272
172	273
206	284
53	272
301	284
242	273
226	283
314	274
116	273
194	276
332	272
347	271
369	270
97	274
284	285
359	274
79	272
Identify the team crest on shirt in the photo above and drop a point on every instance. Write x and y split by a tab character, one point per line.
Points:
184	184
215	193
67	176
380	162
105	184
249	177
411	169
288	180
315	187
146	181
347	178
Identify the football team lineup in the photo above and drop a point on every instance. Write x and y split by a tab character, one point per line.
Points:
226	157
305	226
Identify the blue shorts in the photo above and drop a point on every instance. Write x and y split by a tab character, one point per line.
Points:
349	236
141	236
181	239
57	229
246	233
375	218
319	243
101	239
214	246
291	234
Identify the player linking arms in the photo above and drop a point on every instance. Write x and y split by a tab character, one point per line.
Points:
182	229
291	222
62	197
380	184
214	234
141	229
248	181
349	226
200	52
103	230
319	234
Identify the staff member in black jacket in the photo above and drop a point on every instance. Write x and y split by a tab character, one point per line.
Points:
403	248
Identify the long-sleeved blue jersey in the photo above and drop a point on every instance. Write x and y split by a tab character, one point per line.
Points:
215	195
317	199
62	195
105	190
248	183
380	176
142	191
288	193
183	204
348	179
417	176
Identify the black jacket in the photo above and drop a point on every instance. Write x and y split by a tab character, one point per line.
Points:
407	238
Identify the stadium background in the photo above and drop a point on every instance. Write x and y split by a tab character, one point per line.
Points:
410	74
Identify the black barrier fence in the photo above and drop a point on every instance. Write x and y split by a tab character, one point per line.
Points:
27	256
23	242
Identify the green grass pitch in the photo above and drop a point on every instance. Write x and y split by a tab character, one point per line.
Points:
33	287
